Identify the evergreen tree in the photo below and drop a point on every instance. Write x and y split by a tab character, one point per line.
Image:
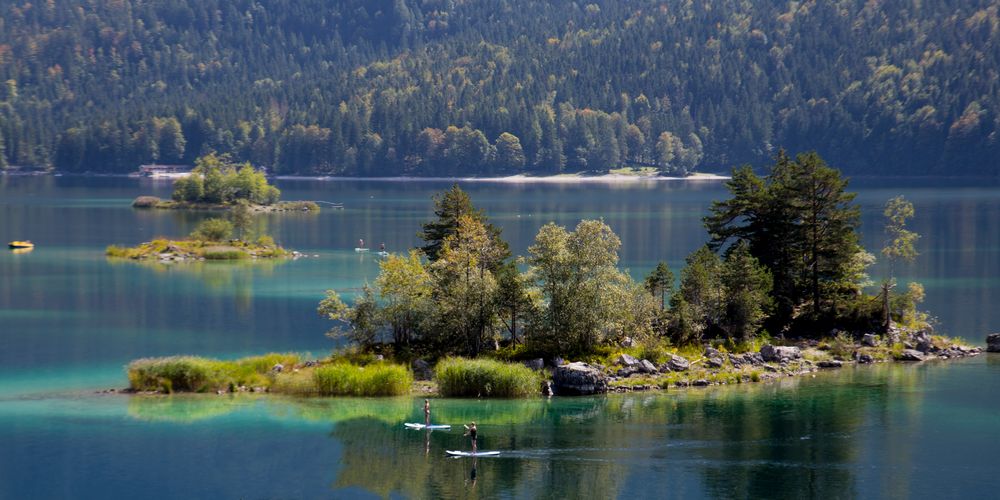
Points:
449	207
660	283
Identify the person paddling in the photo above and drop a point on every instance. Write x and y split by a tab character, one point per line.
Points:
470	430
427	412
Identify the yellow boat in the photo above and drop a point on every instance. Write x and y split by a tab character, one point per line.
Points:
21	244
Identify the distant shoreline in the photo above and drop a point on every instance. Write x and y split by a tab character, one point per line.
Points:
519	178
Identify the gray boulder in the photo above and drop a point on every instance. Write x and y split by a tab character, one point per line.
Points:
746	359
645	366
714	362
578	379
711	352
278	368
866	359
993	343
677	363
535	364
779	353
627	360
700	383
923	342
869	340
911	355
830	364
422	370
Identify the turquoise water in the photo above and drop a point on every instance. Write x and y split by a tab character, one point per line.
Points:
70	320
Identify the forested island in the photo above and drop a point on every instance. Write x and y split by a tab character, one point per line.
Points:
495	87
743	310
218	183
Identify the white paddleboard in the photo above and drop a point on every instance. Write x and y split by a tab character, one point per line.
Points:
431	427
455	453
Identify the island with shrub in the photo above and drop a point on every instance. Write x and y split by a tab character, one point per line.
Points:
218	184
462	317
230	238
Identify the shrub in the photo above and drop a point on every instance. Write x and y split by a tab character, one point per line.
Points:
213	230
195	374
117	251
224	253
175	373
485	378
342	379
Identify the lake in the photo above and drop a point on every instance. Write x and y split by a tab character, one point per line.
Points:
70	319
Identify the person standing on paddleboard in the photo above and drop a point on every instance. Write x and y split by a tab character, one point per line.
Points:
470	430
427	412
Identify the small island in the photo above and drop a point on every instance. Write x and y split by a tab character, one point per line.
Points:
781	288
213	239
218	184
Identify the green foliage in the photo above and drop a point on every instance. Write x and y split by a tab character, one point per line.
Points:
404	286
589	300
194	374
459	377
747	289
449	207
699	305
364	320
241	217
803	204
660	283
213	229
224	253
217	181
341	379
347	87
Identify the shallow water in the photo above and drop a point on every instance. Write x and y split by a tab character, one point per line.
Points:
70	319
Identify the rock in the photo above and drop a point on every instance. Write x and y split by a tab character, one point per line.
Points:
714	362
677	363
579	379
557	361
626	360
711	352
645	366
830	364
746	359
546	388
626	371
422	370
869	340
700	383
535	364
911	355
278	368
993	343
865	359
628	342
310	364
923	342
779	353
379	357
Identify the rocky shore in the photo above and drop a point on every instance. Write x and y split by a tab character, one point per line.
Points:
715	367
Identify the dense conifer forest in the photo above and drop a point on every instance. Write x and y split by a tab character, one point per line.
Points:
491	87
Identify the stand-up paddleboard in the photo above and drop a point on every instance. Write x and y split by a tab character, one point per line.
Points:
431	427
456	453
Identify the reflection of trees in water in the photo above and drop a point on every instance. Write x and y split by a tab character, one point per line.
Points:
385	458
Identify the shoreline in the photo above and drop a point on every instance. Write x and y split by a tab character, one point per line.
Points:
622	372
519	178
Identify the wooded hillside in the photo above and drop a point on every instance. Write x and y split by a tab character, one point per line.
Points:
485	87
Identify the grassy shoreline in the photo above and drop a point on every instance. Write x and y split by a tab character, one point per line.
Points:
148	202
289	374
191	249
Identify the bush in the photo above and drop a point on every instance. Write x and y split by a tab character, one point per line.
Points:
460	377
213	230
176	373
117	251
195	374
224	253
342	379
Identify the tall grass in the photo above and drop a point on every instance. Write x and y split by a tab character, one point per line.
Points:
342	379
460	377
195	374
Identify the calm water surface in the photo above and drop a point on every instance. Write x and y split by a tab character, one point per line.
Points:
70	319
